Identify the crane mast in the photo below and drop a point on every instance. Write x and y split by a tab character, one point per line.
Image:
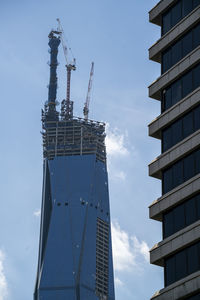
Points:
66	104
87	102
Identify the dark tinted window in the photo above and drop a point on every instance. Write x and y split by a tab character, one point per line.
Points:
196	77
176	52
167	180
186	44
190	211
166	138
196	2
192	255
179	216
196	36
176	92
176	132
168	223
188	167
176	14
167	95
166	60
186	7
170	270
166	22
197	118
198	206
182	264
197	162
187	83
188	124
178	174
181	270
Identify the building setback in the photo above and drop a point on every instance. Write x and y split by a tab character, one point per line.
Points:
178	166
75	253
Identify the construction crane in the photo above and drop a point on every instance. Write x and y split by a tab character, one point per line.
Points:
66	105
87	101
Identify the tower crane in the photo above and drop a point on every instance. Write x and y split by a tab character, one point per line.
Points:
66	105
87	101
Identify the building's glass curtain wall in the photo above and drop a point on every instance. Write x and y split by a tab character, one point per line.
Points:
75	252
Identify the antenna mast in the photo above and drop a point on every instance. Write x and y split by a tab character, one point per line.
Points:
67	104
87	101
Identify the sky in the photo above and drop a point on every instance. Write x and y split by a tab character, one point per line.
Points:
116	35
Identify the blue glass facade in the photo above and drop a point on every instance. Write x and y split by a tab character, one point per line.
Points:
75	251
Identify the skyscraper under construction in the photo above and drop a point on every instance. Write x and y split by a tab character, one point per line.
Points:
75	252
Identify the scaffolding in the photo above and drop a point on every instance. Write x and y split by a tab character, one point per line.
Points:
75	136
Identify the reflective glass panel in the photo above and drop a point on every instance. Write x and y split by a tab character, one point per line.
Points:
169	270
187	43
187	83
189	170
176	92
197	118
196	36
198	206
166	139
197	162
168	223
176	14
166	60
176	52
176	132
166	22
167	96
196	77
188	124
179	218
193	259
167	180
186	7
195	3
181	269
190	211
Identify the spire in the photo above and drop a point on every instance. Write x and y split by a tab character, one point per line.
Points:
54	42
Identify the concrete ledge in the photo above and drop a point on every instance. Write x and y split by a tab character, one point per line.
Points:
174	34
156	12
180	289
173	113
173	154
174	197
174	243
174	73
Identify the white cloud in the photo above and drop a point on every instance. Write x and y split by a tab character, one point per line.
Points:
37	213
128	251
118	282
115	142
141	248
123	256
3	281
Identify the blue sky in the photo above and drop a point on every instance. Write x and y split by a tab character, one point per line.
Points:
115	35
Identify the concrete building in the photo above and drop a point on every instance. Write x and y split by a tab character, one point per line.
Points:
178	166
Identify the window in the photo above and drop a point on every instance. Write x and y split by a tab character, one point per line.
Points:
186	44
181	48
186	7
181	128
181	171
182	264
181	216
176	92
175	13
187	83
181	88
